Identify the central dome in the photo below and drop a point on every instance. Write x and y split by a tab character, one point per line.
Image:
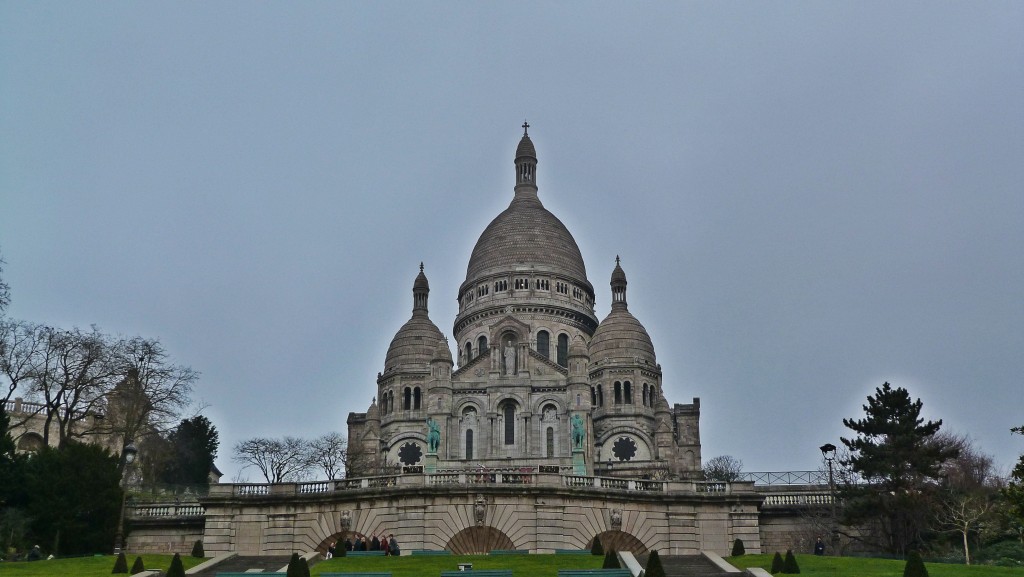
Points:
526	235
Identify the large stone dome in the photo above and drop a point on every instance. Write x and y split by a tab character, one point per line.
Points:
526	235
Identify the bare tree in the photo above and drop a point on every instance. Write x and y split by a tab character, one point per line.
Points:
724	468
75	372
20	348
278	460
963	513
151	392
329	453
5	289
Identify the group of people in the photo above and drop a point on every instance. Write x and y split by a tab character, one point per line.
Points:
385	543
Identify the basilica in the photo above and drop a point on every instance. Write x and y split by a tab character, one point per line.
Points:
537	382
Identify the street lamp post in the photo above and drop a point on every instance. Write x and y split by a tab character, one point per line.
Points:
128	455
828	452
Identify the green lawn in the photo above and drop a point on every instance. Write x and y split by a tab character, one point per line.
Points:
427	565
88	566
864	567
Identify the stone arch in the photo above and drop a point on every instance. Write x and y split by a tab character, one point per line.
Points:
619	541
477	540
559	403
30	443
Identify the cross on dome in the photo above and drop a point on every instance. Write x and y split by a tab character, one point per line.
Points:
526	126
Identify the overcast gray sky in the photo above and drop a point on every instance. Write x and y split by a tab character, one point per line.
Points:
808	198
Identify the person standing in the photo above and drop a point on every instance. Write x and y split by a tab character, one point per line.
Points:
819	547
330	550
375	544
393	545
384	545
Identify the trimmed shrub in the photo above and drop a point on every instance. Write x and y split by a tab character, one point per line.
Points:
789	566
737	548
777	564
197	549
596	548
915	566
138	566
611	560
121	565
654	568
293	566
176	569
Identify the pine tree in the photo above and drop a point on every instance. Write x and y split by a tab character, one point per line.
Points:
197	549
596	548
176	569
121	564
611	560
789	566
737	548
777	564
654	568
915	566
898	456
138	566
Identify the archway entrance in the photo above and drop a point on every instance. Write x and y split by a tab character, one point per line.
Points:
477	540
619	541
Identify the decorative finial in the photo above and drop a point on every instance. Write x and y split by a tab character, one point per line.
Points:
616	260
526	126
421	266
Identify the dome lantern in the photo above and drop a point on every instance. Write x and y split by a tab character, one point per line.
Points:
526	163
618	286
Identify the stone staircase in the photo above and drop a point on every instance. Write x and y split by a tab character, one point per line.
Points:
685	565
242	564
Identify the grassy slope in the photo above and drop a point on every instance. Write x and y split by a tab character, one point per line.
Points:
88	566
862	567
417	566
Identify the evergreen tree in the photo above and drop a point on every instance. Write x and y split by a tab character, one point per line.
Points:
193	446
915	566
120	564
1014	491
138	566
777	564
611	560
654	568
197	549
596	548
895	452
176	569
737	548
789	566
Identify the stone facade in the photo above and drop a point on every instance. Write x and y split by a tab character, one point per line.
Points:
531	358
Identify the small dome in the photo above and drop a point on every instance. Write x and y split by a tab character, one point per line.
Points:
414	345
443	353
526	148
373	413
621	337
421	281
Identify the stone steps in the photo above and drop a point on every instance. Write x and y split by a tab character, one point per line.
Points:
685	565
242	564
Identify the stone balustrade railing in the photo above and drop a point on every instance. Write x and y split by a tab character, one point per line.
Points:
797	499
166	510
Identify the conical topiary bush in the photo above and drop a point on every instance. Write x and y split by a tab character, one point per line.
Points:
138	566
654	568
915	566
737	548
121	565
611	560
777	564
176	569
789	566
293	566
197	549
596	548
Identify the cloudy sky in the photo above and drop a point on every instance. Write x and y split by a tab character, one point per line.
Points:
808	198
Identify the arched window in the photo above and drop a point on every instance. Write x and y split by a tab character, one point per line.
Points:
627	388
469	352
563	349
600	396
416	398
618	393
593	396
407	402
510	424
544	344
551	442
644	398
481	345
469	444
